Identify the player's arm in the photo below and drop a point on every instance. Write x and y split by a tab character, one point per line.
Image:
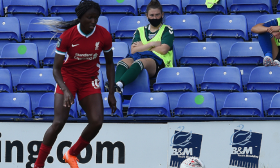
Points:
58	62
166	41
270	26
162	49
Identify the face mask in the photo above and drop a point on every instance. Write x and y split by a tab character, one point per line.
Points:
155	22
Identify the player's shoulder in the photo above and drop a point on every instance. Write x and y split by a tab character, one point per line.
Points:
102	29
67	33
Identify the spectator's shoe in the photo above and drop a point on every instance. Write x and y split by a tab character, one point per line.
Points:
267	61
71	160
276	63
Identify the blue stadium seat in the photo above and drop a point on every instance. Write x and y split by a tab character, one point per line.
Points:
15	105
36	82
65	9
101	81
51	3
6	84
149	105
263	19
186	29
120	51
251	9
243	105
45	108
175	81
196	104
199	8
6	3
127	26
25	11
2	9
104	22
266	81
221	81
18	57
107	108
274	108
227	30
41	35
168	7
200	56
49	57
115	10
246	56
9	31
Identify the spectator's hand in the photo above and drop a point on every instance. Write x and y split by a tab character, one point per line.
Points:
272	29
112	103
137	43
68	98
155	43
276	35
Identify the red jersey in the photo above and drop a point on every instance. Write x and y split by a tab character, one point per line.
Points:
83	51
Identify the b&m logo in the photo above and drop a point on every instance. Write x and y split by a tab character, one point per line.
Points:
246	147
184	145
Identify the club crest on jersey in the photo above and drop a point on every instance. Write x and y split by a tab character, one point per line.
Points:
58	42
97	45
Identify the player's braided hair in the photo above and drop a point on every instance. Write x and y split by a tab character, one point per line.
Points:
155	4
59	26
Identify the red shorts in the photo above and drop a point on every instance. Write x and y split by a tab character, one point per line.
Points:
82	89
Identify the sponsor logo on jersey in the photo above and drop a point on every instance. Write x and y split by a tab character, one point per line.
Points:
184	145
85	56
75	45
246	147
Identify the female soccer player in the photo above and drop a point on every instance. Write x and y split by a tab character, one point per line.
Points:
152	48
83	41
269	36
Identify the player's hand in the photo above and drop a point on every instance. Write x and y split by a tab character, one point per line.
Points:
272	29
276	35
112	103
68	98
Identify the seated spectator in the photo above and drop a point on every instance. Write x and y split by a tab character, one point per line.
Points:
152	48
269	36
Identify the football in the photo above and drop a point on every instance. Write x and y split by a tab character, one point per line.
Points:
192	162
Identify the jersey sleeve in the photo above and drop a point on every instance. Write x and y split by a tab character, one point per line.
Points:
168	36
62	44
269	23
136	36
107	42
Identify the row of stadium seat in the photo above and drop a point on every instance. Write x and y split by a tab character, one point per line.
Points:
174	81
144	104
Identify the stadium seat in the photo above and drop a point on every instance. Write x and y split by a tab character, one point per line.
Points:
45	108
115	10
173	7
25	11
51	3
36	82
15	105
246	56
65	9
1	9
266	81
41	35
6	84
251	9
200	56
9	31
186	29
149	105
274	108
227	30
199	8
175	81
243	105
49	57
18	57
104	22
107	108
120	51
221	81
127	26
101	81
196	104
6	3
263	19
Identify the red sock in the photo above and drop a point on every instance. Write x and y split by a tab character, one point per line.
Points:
78	147
43	154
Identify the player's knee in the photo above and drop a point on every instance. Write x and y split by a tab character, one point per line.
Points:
96	122
57	126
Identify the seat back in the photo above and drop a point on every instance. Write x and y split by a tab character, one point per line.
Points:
6	84
107	108
168	7
149	104
65	9
49	57
196	104
17	105
263	19
274	108
6	3
243	104
10	29
104	22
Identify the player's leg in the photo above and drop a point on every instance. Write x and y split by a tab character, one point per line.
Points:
122	67
61	114
275	53
266	40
